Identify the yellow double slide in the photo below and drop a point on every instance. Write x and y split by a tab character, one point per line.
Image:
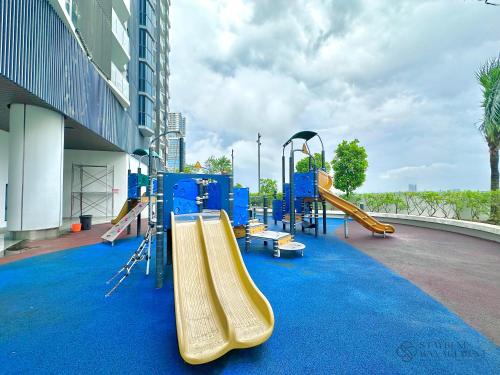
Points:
217	305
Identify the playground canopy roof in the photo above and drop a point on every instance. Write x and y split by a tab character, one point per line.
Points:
145	152
305	135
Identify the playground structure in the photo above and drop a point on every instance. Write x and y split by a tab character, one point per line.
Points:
214	293
305	191
203	215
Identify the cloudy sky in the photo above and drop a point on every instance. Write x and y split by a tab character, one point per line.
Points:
396	74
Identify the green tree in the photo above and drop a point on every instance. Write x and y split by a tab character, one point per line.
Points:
303	164
489	78
349	166
238	185
189	168
220	165
268	186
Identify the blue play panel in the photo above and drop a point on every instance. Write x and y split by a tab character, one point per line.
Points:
336	311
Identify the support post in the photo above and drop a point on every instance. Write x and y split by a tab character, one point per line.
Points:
316	195
247	237
274	216
258	160
231	197
304	209
160	239
199	198
292	195
323	204
316	223
138	225
265	209
129	202
283	181
346	227
276	250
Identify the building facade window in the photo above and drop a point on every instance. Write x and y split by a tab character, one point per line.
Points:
146	79
146	47
147	15
145	111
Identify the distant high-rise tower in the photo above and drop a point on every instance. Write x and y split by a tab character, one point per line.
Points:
176	122
412	187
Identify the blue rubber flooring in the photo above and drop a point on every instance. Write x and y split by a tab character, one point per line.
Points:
336	310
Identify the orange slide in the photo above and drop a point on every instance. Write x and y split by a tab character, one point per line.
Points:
324	185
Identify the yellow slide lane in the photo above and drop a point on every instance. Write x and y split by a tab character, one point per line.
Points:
370	223
122	212
217	305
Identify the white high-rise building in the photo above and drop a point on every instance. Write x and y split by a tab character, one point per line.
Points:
176	122
91	84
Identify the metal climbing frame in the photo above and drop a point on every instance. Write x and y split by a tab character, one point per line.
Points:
92	189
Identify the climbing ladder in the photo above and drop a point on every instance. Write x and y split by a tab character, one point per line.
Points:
143	252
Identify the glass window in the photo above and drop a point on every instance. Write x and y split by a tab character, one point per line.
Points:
147	15
145	111
146	47
146	79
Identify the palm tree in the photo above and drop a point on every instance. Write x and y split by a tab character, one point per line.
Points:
489	78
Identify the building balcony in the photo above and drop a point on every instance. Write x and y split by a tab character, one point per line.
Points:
120	86
122	9
121	44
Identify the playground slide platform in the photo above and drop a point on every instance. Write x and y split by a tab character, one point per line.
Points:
217	306
112	234
282	241
367	221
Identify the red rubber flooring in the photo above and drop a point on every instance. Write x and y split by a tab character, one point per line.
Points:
68	241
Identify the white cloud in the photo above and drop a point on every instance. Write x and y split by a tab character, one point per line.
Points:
399	76
415	172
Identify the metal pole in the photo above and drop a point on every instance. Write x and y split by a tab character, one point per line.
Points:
274	214
283	180
247	237
199	198
150	190
346	228
292	194
258	160
138	226
323	203
316	223
231	194
316	195
265	210
160	239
